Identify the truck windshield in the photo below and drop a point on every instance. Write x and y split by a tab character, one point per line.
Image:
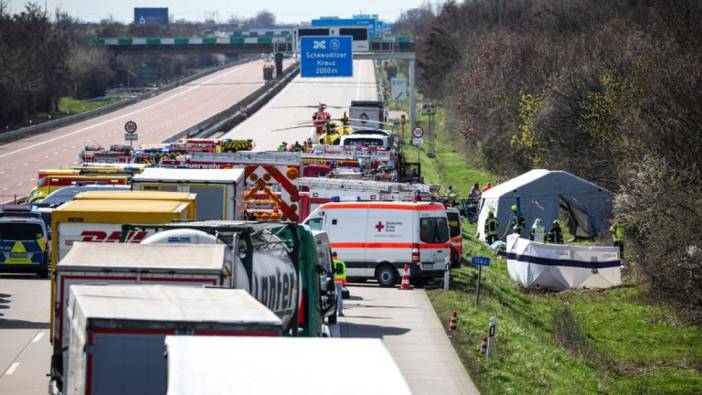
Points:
454	222
20	231
433	230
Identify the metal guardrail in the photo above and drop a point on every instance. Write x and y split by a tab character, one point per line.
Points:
229	118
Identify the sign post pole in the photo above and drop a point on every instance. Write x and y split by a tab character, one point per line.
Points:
479	261
491	337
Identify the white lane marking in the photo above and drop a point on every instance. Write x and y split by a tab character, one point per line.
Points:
358	83
129	114
38	337
2	172
12	369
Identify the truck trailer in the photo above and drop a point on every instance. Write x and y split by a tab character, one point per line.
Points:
128	263
219	191
118	332
246	365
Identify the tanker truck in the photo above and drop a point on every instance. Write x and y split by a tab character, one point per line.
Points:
277	263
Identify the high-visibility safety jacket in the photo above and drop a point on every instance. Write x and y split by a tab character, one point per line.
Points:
23	252
617	232
491	226
340	277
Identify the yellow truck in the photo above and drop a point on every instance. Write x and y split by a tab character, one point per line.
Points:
142	195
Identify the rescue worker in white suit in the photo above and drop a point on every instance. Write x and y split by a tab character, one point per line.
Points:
537	231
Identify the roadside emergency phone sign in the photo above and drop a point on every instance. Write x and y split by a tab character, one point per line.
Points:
326	56
417	136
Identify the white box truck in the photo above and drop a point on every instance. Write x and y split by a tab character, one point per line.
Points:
219	191
118	332
376	239
247	365
126	263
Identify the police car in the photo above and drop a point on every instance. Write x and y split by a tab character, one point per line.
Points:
24	241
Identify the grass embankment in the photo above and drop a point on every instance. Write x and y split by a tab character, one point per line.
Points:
70	105
613	341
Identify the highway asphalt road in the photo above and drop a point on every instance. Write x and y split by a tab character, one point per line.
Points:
409	328
157	118
288	109
25	351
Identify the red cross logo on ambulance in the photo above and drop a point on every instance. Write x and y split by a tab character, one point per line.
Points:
379	226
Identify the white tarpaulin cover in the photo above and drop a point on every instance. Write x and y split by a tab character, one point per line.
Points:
562	266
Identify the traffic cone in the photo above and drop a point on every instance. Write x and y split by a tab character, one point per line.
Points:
405	277
483	345
454	322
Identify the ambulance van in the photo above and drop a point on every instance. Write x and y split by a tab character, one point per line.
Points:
376	239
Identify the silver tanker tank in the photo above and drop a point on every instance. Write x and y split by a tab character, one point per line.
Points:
273	280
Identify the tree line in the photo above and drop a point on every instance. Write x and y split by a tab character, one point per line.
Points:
44	57
610	91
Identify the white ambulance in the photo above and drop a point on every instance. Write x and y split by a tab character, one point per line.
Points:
376	239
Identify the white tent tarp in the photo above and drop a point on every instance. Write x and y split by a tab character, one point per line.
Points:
562	266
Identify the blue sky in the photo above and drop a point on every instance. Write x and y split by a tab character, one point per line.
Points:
285	10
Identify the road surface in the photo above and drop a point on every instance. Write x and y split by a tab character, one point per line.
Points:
412	333
24	334
288	109
158	118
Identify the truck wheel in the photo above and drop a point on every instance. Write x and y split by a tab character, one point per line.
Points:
331	320
386	275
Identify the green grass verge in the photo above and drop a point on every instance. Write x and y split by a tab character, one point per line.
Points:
573	342
71	105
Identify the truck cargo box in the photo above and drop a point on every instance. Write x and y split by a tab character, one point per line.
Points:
124	263
219	191
245	365
118	332
142	195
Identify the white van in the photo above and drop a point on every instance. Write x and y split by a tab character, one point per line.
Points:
376	239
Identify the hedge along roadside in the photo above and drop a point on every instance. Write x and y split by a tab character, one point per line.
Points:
76	118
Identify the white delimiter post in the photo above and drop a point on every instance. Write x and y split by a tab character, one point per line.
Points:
412	95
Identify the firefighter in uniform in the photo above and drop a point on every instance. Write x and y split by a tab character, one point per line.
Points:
555	235
339	282
491	226
518	221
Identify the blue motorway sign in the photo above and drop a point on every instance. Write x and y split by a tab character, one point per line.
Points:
480	261
329	22
150	15
326	56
